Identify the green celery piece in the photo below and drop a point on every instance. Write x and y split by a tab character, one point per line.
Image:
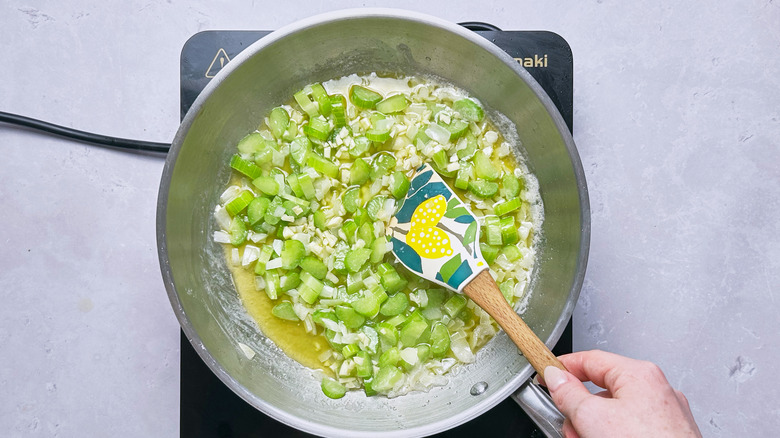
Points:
251	144
292	254
509	233
507	206
272	284
375	205
390	278
278	121
323	100
378	135
399	184
361	146
454	305
413	328
357	258
483	189
436	297
318	128
351	199
319	220
511	185
314	266
359	172
364	368
245	167
469	110
367	305
338	104
265	255
306	104
332	389
322	165
363	97
422	136
350	227
339	254
471	147
507	290
239	203
300	148
266	184
291	132
381	165
355	282
512	253
349	350
270	214
386	378
489	252
393	104
464	175
389	357
378	249
329	335
351	318
366	233
361	216
396	321
387	332
423	352
493	231
295	185
440	162
238	231
291	280
310	288
395	305
320	315
456	128
306	185
368	388
484	167
284	310
440	339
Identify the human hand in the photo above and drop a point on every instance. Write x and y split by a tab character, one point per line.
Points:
637	401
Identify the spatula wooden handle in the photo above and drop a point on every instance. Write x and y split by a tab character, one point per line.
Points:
484	291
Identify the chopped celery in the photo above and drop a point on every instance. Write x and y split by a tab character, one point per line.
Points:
440	162
509	233
440	339
387	332
511	252
292	254
436	297
469	110
361	146
378	249
493	231
314	266
503	207
278	121
322	165
350	350
272	283
470	147
251	144
238	231
351	199
393	104
356	258
366	233
399	184
350	228
386	378
454	305
266	184
489	252
367	305
333	389
456	128
483	189
339	254
390	278
511	185
290	281
361	216
292	181
239	203
265	255
363	97
338	104
306	185
411	330
310	288
291	132
323	100
318	128
299	149
319	315
507	290
465	174
484	167
395	305
320	220
381	165
245	167
306	104
358	172
374	206
284	310
364	368
351	318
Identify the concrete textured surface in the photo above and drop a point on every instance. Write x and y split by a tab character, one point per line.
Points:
677	121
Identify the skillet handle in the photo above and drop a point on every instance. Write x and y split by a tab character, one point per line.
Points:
540	407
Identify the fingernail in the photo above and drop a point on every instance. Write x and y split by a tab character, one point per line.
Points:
553	377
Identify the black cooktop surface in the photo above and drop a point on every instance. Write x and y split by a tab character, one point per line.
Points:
211	409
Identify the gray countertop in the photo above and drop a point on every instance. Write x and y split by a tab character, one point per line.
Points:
676	118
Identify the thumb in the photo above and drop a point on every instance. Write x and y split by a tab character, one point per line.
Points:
566	390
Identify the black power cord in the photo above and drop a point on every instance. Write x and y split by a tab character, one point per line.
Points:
87	137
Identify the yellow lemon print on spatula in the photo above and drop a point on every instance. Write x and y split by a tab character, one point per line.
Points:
424	237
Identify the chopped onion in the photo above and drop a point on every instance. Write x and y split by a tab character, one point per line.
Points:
251	253
248	352
438	133
274	264
221	237
222	217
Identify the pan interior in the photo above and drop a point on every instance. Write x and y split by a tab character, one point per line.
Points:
264	76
